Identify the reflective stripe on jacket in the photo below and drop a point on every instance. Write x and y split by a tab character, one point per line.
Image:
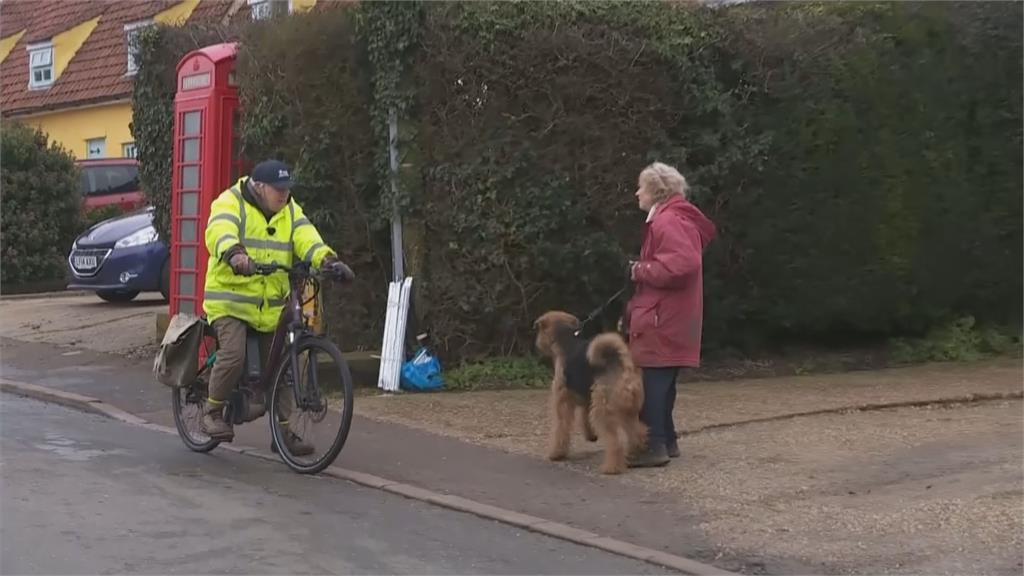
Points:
255	300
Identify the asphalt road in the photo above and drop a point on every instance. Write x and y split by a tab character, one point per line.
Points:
86	495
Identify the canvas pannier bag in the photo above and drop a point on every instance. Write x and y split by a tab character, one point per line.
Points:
177	362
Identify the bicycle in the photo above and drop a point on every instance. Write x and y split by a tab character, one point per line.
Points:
293	339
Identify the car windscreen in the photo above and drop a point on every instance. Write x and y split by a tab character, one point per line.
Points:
113	179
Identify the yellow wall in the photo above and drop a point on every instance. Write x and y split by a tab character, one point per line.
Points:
73	127
66	44
176	14
8	43
301	5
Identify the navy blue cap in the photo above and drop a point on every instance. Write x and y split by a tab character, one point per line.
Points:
274	173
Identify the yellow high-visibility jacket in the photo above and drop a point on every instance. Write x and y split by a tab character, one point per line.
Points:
256	300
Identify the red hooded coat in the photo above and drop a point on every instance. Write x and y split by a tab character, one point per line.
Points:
665	315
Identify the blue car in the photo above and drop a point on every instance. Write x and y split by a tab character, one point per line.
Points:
121	257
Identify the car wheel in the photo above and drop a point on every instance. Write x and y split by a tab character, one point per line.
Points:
117	295
165	280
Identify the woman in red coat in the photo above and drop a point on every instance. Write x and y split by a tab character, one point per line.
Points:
665	314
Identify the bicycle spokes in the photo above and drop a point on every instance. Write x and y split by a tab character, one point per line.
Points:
309	396
301	408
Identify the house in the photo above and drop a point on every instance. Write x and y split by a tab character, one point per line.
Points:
67	66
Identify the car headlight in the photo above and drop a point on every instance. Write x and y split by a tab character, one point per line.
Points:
147	235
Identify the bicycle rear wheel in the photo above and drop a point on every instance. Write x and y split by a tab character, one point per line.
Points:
313	400
188	404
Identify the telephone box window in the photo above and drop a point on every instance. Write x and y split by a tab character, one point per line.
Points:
190	150
195	81
187	284
188	231
192	122
190	204
190	177
188	257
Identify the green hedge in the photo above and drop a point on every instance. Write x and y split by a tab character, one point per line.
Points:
862	160
42	203
305	99
536	120
891	196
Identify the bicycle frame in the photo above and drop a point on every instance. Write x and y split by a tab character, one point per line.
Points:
290	328
291	334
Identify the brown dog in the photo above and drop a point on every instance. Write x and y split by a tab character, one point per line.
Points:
599	379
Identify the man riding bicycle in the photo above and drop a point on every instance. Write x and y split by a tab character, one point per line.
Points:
256	220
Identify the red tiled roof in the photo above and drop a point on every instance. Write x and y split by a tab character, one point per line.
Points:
14	17
52	18
211	11
96	73
243	16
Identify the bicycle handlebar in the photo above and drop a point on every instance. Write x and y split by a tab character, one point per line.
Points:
270	268
300	269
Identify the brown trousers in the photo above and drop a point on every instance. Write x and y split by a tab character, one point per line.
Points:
230	364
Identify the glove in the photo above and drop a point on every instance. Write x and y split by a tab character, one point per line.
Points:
336	267
241	264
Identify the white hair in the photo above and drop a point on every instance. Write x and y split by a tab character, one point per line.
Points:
665	181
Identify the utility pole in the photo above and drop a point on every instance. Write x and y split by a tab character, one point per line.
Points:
397	254
396	318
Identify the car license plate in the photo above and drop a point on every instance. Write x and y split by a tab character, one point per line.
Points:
83	262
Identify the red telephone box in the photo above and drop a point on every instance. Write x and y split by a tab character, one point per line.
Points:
206	162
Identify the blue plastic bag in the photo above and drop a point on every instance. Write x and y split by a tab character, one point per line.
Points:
422	373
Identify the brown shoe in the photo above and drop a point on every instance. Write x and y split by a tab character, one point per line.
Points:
295	444
213	424
654	456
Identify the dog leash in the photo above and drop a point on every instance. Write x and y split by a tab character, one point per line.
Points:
598	310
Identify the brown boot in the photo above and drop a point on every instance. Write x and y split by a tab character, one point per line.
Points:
295	444
213	424
653	456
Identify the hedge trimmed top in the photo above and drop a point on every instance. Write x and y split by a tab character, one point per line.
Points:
861	160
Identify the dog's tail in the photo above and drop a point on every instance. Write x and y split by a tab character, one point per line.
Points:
608	352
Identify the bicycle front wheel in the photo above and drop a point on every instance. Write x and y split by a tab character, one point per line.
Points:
311	406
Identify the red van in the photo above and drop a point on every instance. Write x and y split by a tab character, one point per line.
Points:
111	182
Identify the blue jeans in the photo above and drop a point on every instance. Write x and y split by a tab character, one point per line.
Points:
659	400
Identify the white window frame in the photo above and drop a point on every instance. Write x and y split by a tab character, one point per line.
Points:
102	141
131	30
264	9
129	150
40	58
260	9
